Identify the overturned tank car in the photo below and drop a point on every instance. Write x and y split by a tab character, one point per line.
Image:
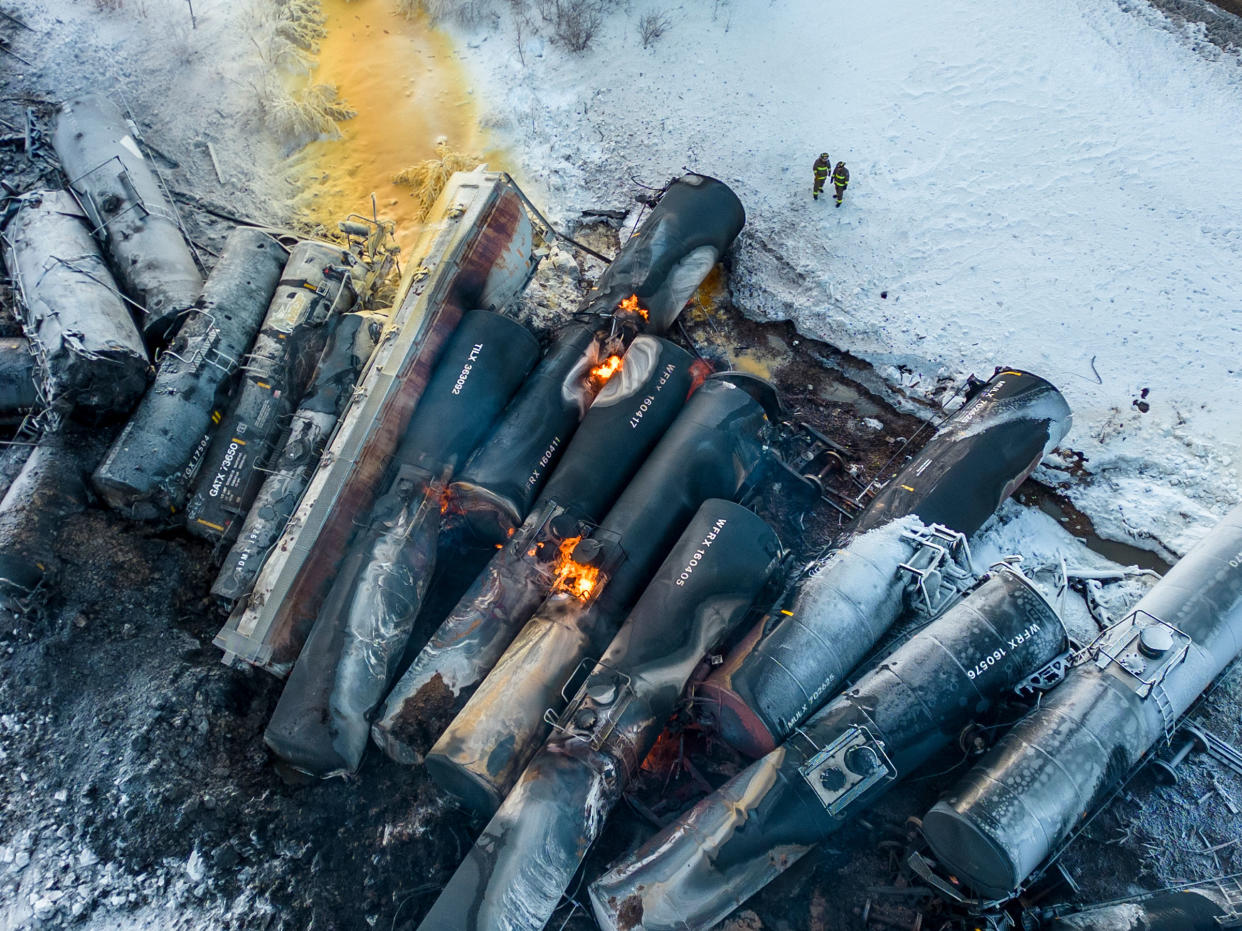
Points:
129	211
710	451
476	253
315	288
1018	805
148	471
349	345
908	541
517	872
885	726
644	381
320	725
91	356
622	426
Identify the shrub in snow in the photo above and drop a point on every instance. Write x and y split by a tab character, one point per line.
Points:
573	22
651	26
299	116
465	12
427	179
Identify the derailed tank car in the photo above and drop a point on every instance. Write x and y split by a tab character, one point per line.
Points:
477	252
147	472
320	725
710	451
91	355
644	381
50	488
1021	801
352	340
641	291
908	705
662	266
798	655
314	289
622	426
494	491
127	206
516	873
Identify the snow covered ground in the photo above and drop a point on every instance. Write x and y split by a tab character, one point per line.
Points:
1048	184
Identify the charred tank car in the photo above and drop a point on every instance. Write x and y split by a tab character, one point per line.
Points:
528	854
320	724
1020	802
910	704
709	452
315	288
798	655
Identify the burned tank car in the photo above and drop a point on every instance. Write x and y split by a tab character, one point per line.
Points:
50	488
801	651
1202	909
622	426
692	226
475	251
643	290
146	473
710	451
1018	805
516	874
315	287
498	484
910	704
128	209
91	355
320	725
351	340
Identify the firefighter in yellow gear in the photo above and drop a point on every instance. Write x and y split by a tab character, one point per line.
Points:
821	168
840	179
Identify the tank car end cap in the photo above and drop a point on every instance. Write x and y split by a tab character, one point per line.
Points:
302	748
471	791
734	721
969	853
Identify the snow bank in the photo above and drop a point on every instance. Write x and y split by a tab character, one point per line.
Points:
187	84
1054	186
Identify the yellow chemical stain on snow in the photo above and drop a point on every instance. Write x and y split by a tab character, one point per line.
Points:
401	77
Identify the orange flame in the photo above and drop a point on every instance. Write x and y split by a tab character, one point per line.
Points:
606	369
631	304
572	577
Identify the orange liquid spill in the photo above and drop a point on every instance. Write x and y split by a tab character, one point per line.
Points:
408	89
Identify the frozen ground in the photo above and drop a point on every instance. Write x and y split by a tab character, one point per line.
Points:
1054	187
